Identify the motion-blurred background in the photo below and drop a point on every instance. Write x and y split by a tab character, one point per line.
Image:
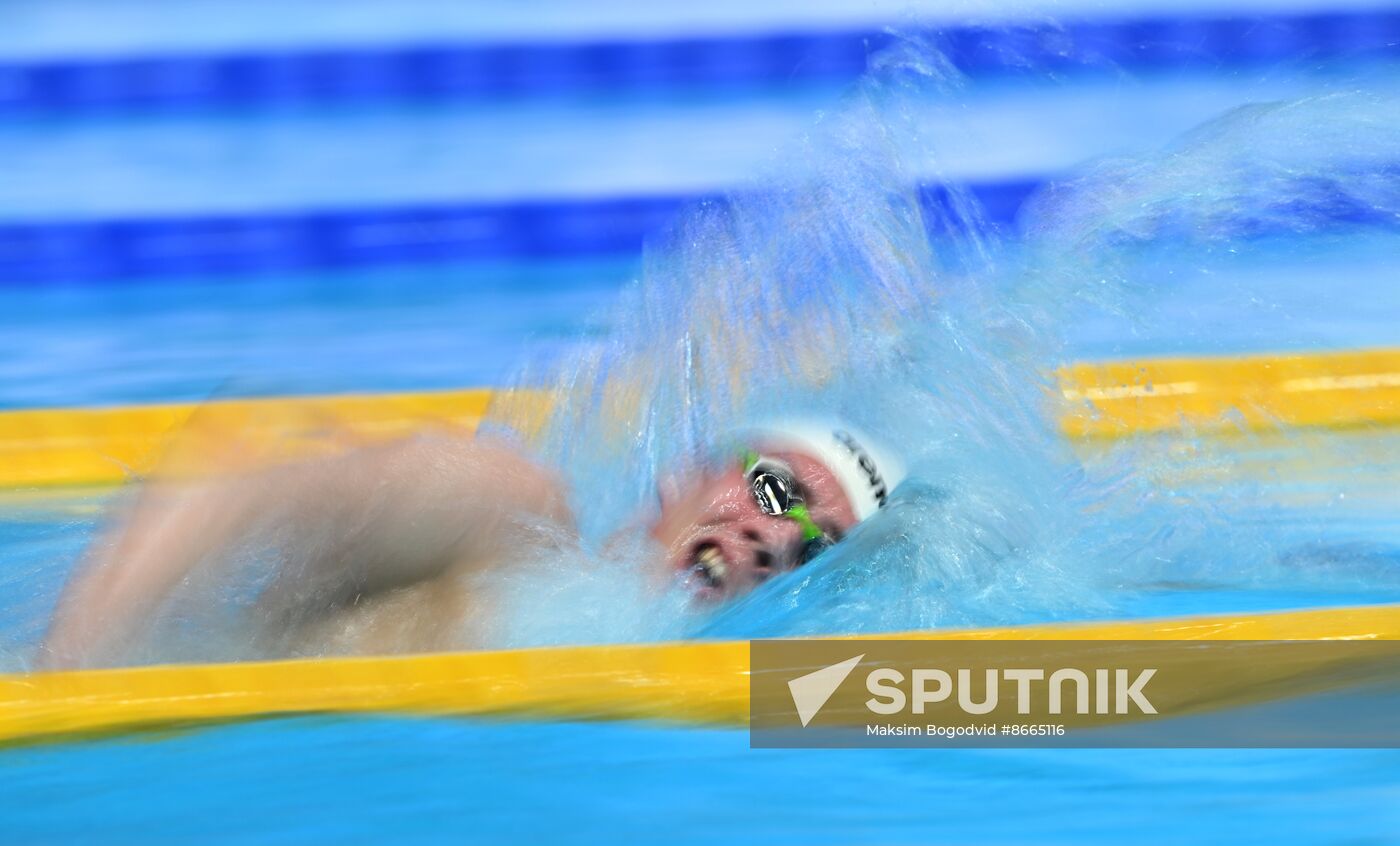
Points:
206	198
221	198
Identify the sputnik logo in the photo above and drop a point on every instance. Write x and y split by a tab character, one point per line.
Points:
811	692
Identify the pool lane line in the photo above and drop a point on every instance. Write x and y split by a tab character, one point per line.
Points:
691	683
106	446
1354	388
632	66
1098	400
108	250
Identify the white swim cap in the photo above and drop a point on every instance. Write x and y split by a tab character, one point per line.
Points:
866	469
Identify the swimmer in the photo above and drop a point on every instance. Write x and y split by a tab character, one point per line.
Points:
387	537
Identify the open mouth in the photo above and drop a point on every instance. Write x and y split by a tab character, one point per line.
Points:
708	566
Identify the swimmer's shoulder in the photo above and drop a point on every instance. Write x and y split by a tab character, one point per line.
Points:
491	471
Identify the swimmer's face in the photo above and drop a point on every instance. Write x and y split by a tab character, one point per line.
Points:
723	544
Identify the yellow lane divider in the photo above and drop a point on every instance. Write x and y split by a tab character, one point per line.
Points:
1336	389
113	445
690	683
1104	399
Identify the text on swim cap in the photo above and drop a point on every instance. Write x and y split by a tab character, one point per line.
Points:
866	464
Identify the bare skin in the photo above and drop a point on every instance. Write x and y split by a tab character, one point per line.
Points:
385	538
396	526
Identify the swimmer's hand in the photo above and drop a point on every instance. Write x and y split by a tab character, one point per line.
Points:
362	523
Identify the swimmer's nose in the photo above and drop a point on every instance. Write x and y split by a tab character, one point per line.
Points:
774	544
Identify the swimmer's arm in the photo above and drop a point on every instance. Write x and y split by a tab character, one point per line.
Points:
364	522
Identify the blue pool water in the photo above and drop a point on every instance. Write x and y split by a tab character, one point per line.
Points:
1254	523
433	327
401	328
365	781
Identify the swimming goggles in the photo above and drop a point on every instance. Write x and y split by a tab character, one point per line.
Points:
775	489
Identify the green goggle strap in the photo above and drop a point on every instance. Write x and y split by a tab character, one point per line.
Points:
810	529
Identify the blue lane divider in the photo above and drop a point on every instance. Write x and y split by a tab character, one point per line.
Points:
96	251
60	252
432	72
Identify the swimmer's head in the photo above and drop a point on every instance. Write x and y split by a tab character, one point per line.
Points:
783	493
